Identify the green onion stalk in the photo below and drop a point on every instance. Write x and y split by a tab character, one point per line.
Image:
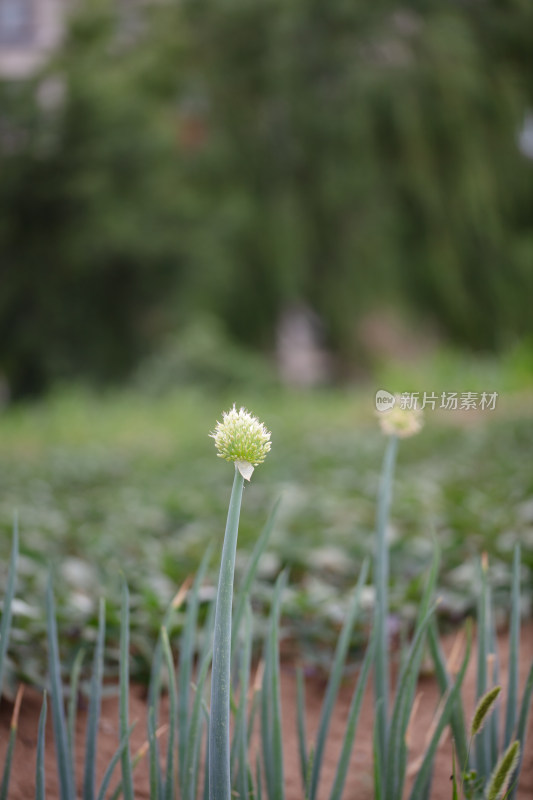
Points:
398	422
242	439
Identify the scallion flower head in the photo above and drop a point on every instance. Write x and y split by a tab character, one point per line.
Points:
241	438
401	422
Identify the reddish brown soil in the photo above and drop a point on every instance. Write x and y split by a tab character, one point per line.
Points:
359	781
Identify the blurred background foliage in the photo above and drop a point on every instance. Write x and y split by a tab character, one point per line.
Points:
125	484
180	182
227	161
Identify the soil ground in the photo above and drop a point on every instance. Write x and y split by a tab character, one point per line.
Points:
359	781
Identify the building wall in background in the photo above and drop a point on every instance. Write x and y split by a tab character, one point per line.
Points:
29	29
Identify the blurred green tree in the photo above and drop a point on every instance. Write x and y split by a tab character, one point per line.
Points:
240	157
364	154
88	238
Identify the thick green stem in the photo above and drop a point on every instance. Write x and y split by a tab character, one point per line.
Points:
381	581
219	723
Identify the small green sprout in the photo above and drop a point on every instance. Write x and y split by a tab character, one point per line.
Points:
503	772
482	709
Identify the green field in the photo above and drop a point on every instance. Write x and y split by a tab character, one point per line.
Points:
125	483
